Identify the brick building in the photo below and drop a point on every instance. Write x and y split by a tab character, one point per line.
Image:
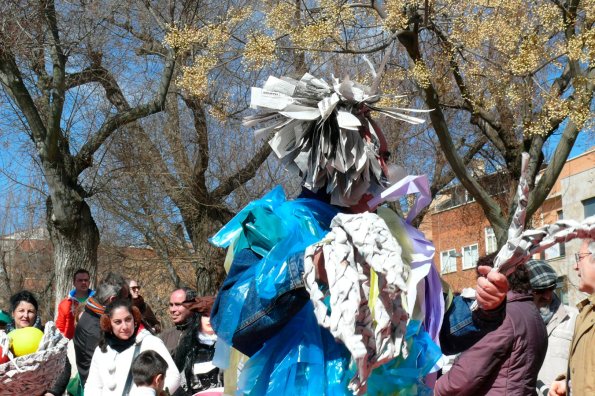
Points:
461	233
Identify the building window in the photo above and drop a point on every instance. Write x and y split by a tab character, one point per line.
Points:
448	261
470	256
562	289
557	250
491	243
589	207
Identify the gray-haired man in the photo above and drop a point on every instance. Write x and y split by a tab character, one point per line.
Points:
579	377
559	320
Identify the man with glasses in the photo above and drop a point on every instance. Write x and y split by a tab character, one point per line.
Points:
150	322
183	336
78	295
558	318
579	378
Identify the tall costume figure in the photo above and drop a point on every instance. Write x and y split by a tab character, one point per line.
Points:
324	293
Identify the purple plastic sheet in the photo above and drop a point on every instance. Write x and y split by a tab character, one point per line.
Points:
423	249
423	253
407	185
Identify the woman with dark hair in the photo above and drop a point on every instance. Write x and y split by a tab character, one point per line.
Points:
23	308
120	342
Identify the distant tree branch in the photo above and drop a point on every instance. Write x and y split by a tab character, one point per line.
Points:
11	78
125	115
243	175
490	206
56	105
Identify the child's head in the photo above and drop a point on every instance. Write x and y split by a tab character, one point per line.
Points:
148	369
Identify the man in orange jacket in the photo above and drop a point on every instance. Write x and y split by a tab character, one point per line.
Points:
78	295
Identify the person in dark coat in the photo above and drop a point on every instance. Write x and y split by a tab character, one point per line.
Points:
507	360
199	370
150	321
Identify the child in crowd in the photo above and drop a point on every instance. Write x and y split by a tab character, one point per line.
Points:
148	374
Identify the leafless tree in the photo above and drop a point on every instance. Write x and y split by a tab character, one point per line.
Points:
57	64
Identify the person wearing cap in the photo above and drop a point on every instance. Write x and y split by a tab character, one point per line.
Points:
505	361
558	318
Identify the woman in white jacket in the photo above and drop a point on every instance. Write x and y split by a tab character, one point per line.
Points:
120	342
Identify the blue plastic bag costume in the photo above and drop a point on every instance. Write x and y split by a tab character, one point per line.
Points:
264	311
326	134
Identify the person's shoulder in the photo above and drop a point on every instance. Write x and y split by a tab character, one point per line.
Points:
169	332
145	336
65	302
143	391
569	309
87	324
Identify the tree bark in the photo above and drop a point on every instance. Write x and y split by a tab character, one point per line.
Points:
75	245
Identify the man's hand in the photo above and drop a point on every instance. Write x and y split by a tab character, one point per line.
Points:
491	288
558	388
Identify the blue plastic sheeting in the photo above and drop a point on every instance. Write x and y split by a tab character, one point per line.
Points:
404	377
273	228
301	359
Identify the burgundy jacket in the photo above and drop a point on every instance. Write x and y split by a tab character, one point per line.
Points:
506	361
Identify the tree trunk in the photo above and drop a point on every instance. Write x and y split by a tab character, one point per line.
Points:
208	264
75	245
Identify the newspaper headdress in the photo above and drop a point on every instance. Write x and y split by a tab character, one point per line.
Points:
324	133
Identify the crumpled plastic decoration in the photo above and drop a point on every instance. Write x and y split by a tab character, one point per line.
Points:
324	133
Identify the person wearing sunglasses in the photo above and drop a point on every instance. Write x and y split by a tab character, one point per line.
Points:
149	319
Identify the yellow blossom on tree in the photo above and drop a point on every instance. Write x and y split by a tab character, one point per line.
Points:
315	34
396	19
280	17
218	110
259	51
421	74
182	39
528	58
195	78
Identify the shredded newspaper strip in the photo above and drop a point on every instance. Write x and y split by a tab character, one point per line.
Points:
316	132
356	245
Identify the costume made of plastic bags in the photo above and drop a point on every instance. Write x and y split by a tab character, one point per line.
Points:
380	311
32	374
289	350
264	288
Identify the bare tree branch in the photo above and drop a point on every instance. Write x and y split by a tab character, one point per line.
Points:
125	115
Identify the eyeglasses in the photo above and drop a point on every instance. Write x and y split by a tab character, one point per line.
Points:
135	288
579	256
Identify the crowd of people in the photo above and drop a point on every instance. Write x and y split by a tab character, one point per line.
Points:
328	293
526	343
116	346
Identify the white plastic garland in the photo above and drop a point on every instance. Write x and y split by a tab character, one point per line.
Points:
355	245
